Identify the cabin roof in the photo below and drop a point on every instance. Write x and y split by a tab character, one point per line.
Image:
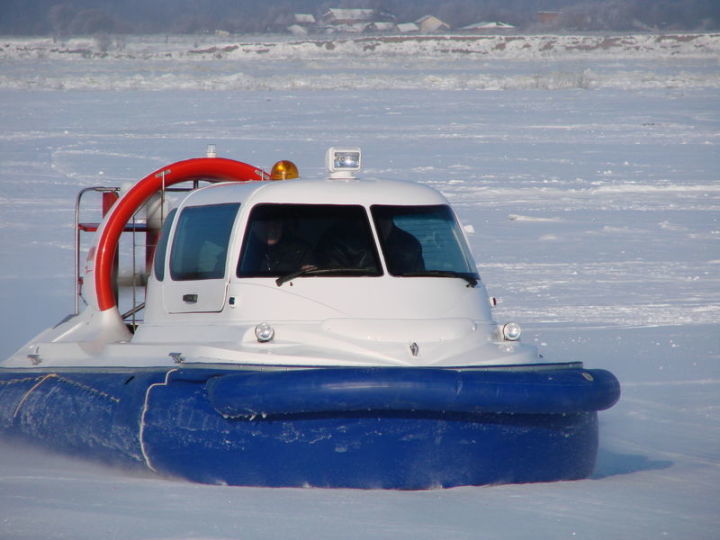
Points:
330	191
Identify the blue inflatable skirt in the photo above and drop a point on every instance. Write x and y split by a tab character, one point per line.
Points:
397	428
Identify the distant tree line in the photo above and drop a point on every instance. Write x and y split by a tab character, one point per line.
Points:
86	17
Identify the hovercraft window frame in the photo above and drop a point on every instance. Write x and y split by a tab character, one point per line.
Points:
162	244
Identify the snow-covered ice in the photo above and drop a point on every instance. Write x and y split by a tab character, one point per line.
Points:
589	174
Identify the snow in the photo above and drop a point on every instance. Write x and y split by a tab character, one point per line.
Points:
589	177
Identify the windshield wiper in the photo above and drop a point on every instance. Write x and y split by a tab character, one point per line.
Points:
472	281
319	271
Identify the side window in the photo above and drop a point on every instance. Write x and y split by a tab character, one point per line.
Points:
200	244
161	249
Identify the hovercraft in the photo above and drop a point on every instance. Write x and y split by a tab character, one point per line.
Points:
329	332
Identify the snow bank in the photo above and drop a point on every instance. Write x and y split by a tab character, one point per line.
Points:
441	46
372	63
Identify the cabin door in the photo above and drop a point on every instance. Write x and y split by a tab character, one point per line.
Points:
198	271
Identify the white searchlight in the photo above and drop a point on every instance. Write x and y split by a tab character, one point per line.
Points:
343	162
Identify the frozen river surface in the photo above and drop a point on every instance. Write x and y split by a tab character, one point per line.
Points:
594	195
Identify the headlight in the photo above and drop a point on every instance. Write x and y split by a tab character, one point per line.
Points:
264	332
511	331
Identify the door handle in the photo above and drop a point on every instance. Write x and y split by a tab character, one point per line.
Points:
190	298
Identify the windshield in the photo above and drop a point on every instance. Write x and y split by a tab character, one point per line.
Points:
308	239
422	241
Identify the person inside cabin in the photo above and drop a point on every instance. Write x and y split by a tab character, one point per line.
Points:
273	249
347	244
403	252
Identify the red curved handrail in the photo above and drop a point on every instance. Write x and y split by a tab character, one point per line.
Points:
212	169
